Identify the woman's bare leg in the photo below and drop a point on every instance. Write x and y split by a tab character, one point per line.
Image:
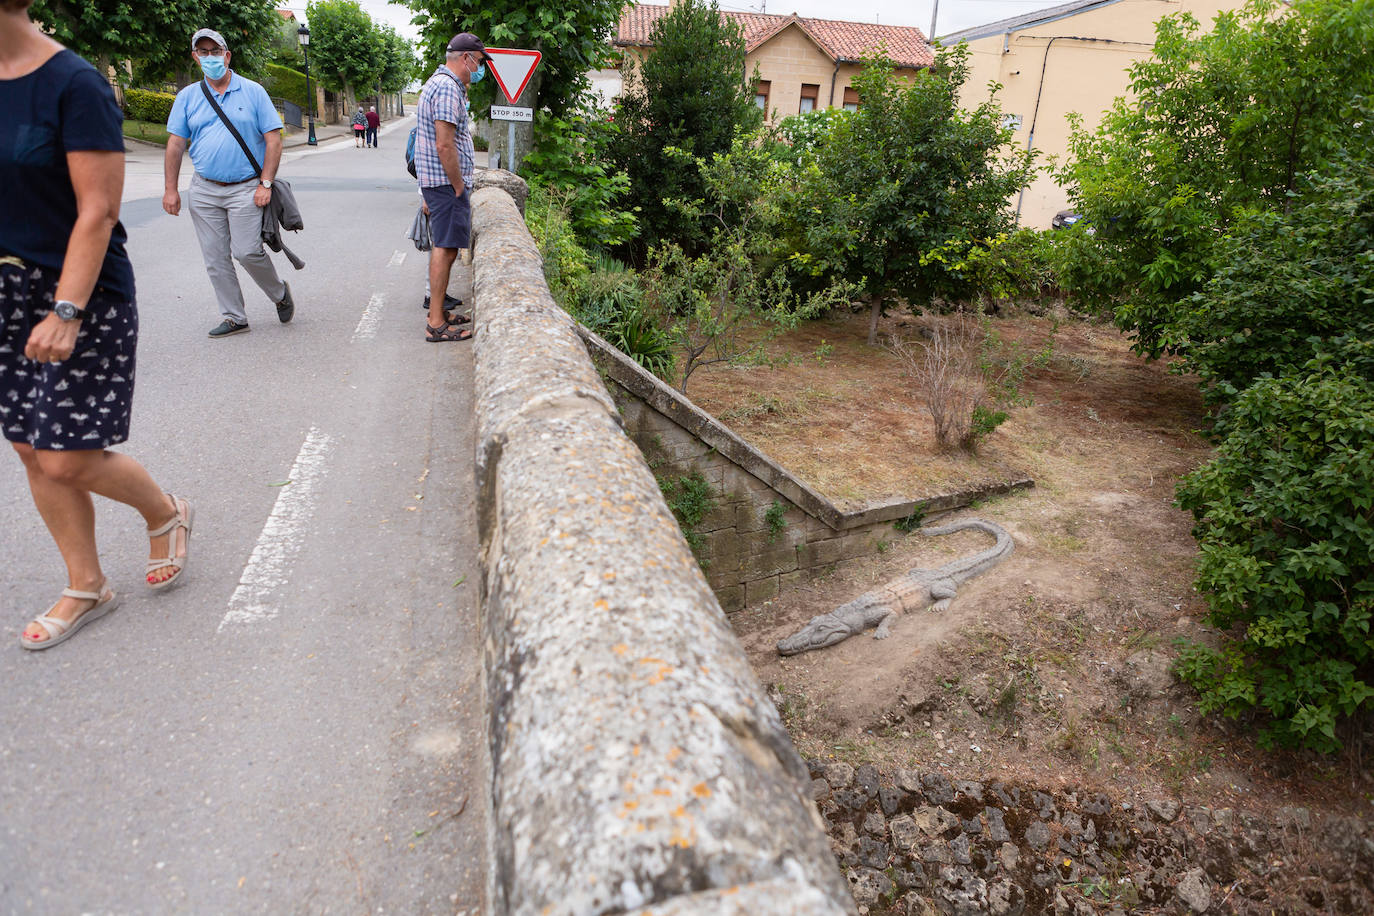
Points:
62	484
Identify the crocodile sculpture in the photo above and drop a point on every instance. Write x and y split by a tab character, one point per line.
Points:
914	589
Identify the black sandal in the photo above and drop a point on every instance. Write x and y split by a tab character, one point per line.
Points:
455	319
447	332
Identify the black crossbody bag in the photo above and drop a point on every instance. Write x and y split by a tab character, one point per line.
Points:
210	97
283	204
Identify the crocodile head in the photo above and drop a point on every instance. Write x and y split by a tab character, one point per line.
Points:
822	631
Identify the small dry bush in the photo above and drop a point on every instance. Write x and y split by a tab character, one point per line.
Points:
967	375
945	368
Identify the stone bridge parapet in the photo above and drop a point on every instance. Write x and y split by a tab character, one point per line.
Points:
637	764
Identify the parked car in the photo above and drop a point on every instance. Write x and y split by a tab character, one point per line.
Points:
1065	219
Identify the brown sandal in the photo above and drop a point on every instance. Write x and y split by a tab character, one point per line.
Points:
447	332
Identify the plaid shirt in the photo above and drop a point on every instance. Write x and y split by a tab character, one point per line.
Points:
443	99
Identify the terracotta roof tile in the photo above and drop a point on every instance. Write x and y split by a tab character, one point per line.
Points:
848	41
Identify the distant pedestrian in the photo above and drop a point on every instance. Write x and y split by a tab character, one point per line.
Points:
68	322
359	127
229	189
444	168
373	122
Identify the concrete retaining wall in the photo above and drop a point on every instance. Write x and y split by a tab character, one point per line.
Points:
749	556
637	765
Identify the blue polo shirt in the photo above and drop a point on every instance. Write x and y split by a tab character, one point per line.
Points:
214	151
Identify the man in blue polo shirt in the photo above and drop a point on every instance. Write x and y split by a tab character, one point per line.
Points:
228	191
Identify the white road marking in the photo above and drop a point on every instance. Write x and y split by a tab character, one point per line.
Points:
281	538
397	259
372	316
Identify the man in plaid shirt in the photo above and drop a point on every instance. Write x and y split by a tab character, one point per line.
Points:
443	165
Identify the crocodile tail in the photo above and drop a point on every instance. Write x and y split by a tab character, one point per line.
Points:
966	567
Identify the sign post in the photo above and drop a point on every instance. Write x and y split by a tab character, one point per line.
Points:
512	68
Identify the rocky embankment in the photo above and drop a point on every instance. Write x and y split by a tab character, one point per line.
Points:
920	843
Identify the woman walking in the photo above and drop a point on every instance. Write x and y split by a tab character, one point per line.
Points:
359	127
68	323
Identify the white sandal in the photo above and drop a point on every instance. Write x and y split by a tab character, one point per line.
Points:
61	630
182	520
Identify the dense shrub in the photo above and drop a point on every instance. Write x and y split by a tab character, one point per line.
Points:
569	156
144	105
283	82
1010	265
566	262
1285	526
599	293
799	134
610	302
725	304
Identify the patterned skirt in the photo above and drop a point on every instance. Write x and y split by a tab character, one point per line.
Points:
82	402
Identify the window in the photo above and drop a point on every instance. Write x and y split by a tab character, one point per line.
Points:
810	92
761	94
851	100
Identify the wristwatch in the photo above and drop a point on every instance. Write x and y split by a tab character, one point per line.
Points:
68	311
266	183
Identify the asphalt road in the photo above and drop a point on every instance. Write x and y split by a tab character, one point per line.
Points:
298	727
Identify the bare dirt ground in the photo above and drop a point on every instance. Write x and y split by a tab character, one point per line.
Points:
1053	668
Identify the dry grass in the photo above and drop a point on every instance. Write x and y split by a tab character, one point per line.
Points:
1029	673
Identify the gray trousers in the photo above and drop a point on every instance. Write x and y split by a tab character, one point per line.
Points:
229	228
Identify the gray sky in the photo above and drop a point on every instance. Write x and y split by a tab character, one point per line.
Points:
954	14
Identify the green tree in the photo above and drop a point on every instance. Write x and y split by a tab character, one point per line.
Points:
1287	284
690	96
285	44
346	49
108	31
898	194
156	35
399	65
1218	123
251	28
573	39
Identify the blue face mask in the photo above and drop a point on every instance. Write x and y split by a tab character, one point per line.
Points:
213	67
480	72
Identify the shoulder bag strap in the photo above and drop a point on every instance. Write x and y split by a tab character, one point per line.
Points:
210	97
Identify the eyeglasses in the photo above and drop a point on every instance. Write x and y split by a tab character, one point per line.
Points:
208	52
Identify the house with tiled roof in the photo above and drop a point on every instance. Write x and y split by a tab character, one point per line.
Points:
804	64
1074	57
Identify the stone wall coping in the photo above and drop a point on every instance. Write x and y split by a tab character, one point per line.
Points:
671	403
637	765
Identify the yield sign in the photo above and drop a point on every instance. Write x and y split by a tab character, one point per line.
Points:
513	68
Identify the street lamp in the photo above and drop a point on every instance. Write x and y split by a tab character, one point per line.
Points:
304	35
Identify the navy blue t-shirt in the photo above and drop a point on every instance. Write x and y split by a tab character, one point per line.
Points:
63	106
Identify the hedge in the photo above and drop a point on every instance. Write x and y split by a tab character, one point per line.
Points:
285	83
145	105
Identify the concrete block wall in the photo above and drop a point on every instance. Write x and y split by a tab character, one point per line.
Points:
637	765
747	560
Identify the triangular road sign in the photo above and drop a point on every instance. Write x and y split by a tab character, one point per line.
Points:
513	68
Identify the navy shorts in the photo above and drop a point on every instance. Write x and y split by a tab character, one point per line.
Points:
450	217
82	402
